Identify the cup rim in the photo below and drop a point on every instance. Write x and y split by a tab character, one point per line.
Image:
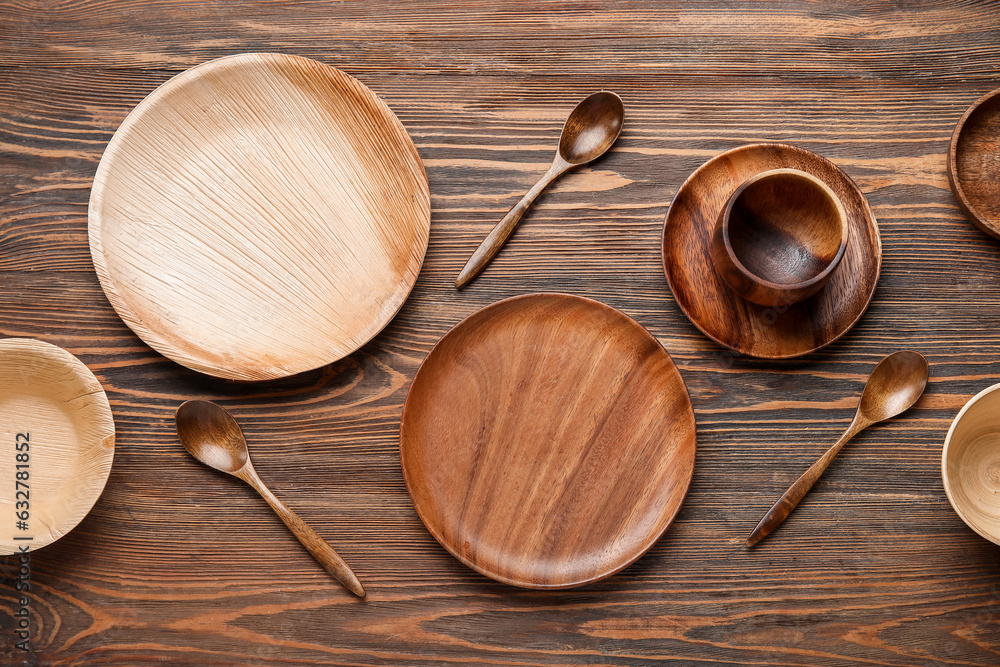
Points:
945	480
804	284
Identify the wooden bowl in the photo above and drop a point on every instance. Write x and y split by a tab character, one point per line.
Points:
547	441
258	216
974	163
769	332
780	237
59	438
970	463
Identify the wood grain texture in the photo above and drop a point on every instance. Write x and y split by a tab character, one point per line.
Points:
176	565
547	441
782	326
57	426
259	216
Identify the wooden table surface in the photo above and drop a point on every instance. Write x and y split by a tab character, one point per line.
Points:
178	564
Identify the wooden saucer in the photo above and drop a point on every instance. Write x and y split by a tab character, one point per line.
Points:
547	441
771	332
974	163
258	216
58	440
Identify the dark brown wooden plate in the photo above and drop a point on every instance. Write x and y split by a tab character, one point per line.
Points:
547	441
974	163
771	332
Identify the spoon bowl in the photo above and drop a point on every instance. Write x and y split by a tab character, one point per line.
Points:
592	127
590	130
895	384
211	435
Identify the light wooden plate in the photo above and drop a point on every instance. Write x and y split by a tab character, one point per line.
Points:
547	441
58	440
258	216
769	332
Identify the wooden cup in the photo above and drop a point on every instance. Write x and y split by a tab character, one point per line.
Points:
970	464
779	237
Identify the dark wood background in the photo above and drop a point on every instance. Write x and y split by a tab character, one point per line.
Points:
178	564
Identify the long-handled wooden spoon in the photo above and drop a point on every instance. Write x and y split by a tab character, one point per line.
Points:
895	384
211	435
591	129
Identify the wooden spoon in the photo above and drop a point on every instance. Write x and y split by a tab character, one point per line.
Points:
895	384
211	435
591	129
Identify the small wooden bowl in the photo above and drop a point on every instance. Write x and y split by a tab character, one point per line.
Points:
59	442
780	237
974	163
970	464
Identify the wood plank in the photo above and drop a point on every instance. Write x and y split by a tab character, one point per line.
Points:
178	564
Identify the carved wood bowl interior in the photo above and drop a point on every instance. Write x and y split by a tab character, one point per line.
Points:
970	463
59	441
547	441
258	216
974	163
780	236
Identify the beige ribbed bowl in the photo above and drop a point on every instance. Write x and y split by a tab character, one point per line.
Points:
970	463
58	441
258	216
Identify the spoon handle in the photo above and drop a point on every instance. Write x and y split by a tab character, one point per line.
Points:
501	232
309	538
797	491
